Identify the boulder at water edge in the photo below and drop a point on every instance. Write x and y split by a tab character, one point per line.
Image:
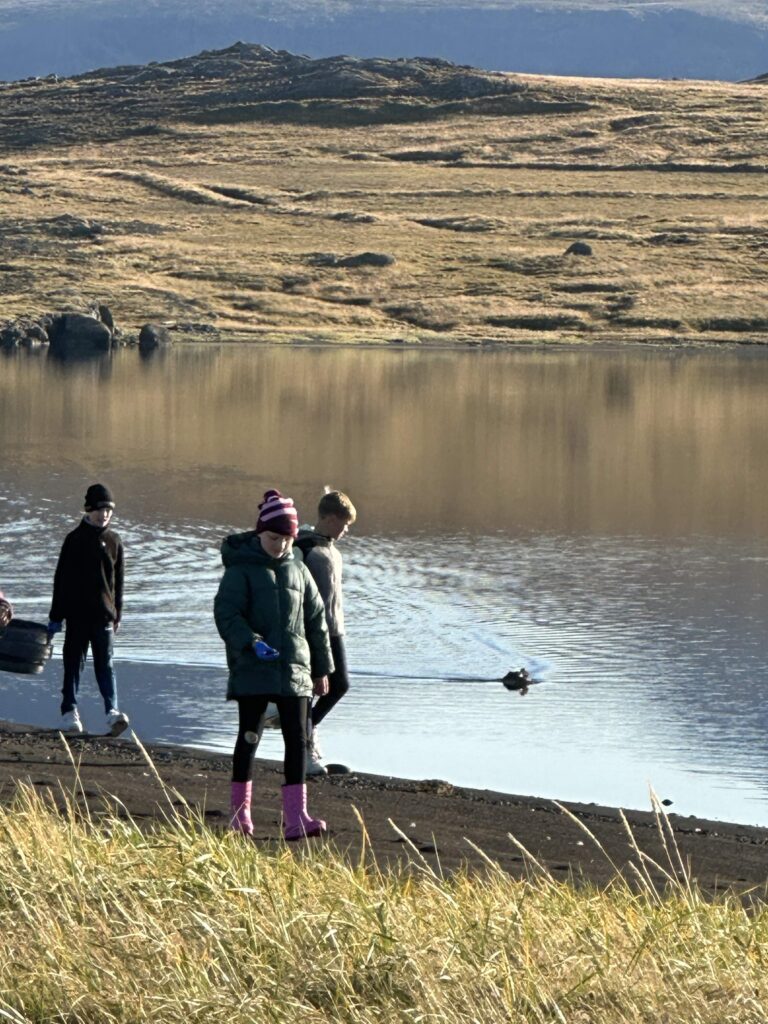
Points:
78	334
153	336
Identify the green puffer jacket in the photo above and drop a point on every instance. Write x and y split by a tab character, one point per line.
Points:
275	600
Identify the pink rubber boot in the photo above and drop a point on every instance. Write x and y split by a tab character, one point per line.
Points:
241	808
297	824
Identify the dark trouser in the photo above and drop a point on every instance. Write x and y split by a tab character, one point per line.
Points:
293	722
78	637
338	682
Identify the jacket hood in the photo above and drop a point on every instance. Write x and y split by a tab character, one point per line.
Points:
246	549
307	532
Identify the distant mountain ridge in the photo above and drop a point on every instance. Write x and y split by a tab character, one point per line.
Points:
572	37
249	82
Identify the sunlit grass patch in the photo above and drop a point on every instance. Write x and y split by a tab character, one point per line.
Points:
103	921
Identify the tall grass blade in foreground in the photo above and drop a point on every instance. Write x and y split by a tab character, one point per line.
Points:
103	922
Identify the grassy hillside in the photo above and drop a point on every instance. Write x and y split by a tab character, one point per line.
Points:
227	192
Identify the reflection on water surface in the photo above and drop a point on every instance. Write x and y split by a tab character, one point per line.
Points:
598	516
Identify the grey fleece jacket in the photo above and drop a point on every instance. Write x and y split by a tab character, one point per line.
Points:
325	565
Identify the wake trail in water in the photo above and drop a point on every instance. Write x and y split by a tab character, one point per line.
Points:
433	677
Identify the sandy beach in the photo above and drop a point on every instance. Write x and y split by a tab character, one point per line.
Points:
432	820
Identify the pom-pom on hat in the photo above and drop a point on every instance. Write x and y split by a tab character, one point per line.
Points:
98	496
278	515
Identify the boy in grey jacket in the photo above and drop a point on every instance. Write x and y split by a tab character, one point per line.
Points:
335	513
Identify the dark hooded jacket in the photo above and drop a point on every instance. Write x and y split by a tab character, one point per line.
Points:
88	585
274	600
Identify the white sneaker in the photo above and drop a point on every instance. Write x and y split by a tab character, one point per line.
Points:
117	722
271	717
314	742
70	721
315	764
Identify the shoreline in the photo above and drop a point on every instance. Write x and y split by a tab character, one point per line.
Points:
231	339
422	821
494	345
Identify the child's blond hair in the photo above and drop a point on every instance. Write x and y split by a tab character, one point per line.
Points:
336	503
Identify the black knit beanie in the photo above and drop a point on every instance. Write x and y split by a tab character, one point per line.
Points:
98	496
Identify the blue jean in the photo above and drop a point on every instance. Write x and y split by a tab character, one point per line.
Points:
100	637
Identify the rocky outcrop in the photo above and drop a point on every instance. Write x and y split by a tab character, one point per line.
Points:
152	336
21	333
579	249
247	82
67	226
720	39
73	334
360	259
105	315
91	329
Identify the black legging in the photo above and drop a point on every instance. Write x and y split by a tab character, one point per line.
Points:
338	682
293	722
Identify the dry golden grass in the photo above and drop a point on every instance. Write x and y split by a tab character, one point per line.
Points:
103	922
222	224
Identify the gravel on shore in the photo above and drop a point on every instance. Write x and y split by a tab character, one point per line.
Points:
424	821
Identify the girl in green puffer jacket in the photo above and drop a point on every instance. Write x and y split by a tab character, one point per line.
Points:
272	619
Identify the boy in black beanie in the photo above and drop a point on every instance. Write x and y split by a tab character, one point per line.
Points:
88	595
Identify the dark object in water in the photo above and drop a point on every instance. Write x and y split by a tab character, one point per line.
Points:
519	680
24	647
338	769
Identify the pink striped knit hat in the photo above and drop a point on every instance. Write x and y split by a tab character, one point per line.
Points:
278	515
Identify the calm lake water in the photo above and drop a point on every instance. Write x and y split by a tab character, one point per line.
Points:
601	517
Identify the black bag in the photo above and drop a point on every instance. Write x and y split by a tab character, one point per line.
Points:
24	647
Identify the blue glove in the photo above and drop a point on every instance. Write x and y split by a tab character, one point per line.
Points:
53	629
264	651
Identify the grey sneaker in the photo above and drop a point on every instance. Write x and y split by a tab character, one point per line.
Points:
70	721
315	764
117	722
